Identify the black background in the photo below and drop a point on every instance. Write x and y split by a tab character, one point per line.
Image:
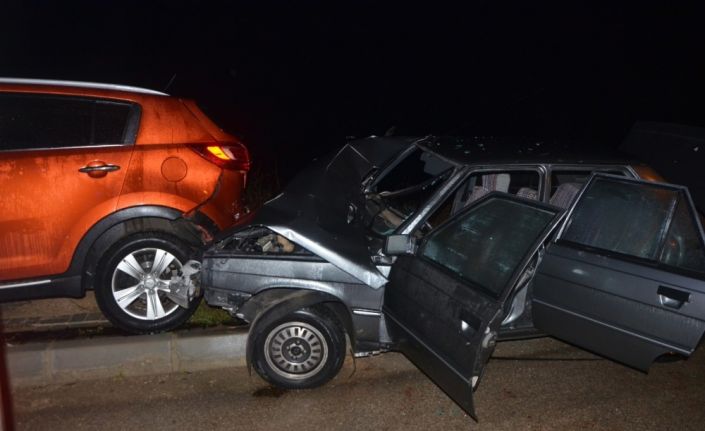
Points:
294	79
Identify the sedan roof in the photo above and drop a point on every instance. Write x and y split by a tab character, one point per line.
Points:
481	150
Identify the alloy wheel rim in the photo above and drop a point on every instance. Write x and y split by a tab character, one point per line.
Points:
296	350
141	283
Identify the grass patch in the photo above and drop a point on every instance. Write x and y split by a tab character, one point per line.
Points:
209	316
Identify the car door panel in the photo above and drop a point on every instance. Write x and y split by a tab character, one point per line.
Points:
62	166
630	310
433	314
609	316
445	323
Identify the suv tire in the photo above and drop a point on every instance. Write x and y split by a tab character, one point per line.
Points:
133	279
302	350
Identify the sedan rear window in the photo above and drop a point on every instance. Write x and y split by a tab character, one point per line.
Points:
31	121
484	245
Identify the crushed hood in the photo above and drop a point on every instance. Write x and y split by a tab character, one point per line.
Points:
313	209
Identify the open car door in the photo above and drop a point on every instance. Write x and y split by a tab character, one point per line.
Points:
625	277
443	305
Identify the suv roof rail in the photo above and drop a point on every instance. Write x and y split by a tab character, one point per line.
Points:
81	84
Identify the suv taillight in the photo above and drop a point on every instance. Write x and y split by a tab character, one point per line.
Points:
228	156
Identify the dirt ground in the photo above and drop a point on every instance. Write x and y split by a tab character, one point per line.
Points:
539	384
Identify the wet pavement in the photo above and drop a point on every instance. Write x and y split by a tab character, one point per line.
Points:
538	384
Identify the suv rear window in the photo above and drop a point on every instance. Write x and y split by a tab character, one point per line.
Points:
30	121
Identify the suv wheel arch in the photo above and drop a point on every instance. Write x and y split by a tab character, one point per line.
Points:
123	223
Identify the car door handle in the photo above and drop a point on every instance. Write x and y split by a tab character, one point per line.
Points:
672	298
98	169
469	324
103	168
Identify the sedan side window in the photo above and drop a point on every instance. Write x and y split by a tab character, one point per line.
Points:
483	246
683	247
565	185
651	222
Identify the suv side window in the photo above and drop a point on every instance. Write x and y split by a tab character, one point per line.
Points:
31	121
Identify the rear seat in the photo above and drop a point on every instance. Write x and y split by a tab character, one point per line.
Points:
565	194
528	193
490	183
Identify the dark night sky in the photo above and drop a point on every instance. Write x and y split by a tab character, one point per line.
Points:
295	78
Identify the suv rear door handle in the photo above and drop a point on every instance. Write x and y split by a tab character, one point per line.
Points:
98	169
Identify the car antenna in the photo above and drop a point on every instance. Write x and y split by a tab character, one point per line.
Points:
171	81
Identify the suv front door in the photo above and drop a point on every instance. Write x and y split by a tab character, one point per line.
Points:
62	164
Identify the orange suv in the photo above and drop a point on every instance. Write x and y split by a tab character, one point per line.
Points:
110	188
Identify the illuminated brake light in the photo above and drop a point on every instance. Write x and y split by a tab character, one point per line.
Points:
228	156
220	153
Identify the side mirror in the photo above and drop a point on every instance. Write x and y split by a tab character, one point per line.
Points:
399	244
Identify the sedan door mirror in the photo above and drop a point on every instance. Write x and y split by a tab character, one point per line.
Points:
399	244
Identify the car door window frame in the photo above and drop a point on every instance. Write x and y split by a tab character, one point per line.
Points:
590	169
655	263
511	280
129	135
452	187
525	167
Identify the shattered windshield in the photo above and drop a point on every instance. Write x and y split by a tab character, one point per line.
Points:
404	189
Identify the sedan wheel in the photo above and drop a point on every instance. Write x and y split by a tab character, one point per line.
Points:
296	350
301	350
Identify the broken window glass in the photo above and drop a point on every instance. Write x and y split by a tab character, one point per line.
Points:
405	188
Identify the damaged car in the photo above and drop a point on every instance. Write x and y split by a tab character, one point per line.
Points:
439	248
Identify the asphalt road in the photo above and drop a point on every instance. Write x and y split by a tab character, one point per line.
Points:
530	385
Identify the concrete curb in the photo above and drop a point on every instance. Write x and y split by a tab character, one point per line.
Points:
66	361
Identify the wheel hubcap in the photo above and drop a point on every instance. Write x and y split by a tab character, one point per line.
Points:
141	282
296	350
